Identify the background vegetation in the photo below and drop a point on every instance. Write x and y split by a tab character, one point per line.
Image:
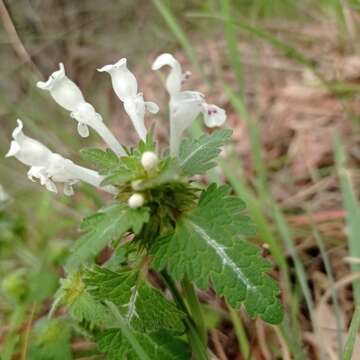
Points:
288	73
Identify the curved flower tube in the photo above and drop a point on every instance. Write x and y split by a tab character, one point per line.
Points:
126	88
49	167
185	106
68	95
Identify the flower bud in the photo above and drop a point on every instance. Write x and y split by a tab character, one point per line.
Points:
136	200
149	160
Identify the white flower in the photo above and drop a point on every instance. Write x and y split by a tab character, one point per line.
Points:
136	200
68	95
49	167
185	106
126	88
149	160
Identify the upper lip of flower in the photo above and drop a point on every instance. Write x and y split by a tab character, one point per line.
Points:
53	78
109	67
165	59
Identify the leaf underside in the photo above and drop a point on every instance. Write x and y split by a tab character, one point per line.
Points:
207	245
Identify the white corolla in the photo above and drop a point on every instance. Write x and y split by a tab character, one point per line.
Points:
185	106
126	88
68	95
49	167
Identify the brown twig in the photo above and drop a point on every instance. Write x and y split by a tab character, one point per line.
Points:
218	347
15	40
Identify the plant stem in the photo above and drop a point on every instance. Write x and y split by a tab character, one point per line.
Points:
354	328
199	349
240	333
195	309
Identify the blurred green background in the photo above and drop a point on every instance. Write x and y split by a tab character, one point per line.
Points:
288	74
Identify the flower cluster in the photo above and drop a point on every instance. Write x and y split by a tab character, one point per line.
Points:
51	168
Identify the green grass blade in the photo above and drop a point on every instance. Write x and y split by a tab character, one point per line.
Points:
231	42
353	333
240	334
255	140
352	209
287	237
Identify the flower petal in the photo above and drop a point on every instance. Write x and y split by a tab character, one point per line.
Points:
14	149
17	132
123	80
50	185
175	77
151	107
63	90
53	78
135	108
68	189
83	130
184	108
213	115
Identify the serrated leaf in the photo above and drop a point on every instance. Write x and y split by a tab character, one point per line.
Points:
160	346
129	168
104	161
143	307
196	155
86	308
108	224
207	245
80	304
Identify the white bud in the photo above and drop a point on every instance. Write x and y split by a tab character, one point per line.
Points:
149	160
136	200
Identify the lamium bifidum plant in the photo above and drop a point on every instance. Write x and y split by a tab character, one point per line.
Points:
162	228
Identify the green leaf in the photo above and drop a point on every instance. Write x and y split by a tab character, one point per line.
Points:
207	245
104	161
80	304
196	155
86	308
118	176
143	307
160	346
108	224
129	168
